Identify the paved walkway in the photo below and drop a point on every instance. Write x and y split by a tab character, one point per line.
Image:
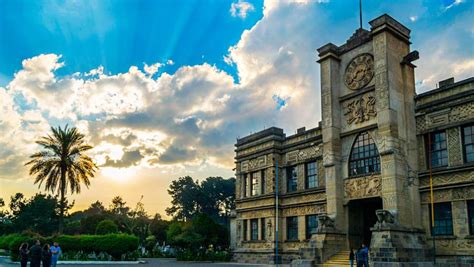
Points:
153	262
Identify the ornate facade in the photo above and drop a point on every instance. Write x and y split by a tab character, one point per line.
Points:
363	175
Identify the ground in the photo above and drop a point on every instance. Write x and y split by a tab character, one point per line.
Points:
4	262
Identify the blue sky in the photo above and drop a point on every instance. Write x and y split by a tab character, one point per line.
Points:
118	34
162	89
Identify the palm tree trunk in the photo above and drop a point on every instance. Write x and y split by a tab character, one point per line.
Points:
62	201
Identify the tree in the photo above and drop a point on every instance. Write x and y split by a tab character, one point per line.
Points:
106	227
61	164
158	228
118	206
39	214
214	196
217	196
184	193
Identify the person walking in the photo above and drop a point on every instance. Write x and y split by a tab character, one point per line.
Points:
360	257
46	256
351	257
24	254
365	250
55	253
35	253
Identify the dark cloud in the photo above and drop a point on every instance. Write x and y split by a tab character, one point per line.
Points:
177	155
129	158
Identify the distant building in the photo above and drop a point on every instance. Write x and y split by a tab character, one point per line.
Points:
362	175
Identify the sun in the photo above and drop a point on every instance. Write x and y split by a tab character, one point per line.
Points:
122	175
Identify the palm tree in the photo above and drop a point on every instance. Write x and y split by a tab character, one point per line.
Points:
62	164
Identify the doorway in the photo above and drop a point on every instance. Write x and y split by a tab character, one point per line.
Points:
362	217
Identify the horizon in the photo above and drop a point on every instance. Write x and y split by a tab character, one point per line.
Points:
163	91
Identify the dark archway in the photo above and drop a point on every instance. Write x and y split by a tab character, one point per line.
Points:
361	218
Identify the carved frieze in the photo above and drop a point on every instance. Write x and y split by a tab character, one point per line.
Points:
302	155
450	178
360	109
253	164
454	114
362	187
461	193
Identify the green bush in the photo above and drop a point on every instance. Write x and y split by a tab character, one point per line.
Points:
202	255
106	227
114	244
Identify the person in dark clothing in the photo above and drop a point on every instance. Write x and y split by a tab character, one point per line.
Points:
35	254
24	254
360	257
46	256
351	257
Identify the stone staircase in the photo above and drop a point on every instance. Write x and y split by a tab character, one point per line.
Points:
340	259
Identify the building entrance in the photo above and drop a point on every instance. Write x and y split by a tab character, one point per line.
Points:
361	218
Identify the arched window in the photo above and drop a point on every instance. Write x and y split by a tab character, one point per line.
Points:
364	157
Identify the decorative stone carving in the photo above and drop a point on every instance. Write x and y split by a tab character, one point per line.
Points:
253	164
384	218
325	223
359	71
454	147
360	109
362	187
269	228
451	178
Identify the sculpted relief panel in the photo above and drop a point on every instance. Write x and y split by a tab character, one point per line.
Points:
462	193
253	164
450	115
444	179
360	109
362	187
303	154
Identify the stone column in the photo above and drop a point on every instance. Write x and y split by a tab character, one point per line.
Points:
331	128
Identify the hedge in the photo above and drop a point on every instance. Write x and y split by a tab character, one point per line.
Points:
113	244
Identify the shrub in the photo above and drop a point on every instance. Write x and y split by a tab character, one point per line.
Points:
106	227
114	244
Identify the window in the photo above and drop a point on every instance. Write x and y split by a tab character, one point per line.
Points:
255	189
291	178
364	157
468	143
262	191
254	229
245	230
311	225
437	149
443	219
262	227
311	175
292	228
470	212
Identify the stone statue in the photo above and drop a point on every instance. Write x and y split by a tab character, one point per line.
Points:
325	223
384	218
269	228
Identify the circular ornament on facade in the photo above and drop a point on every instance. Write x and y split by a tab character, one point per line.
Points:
359	71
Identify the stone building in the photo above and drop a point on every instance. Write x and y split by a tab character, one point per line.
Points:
363	175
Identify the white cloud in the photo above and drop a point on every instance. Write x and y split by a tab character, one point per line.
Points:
241	9
413	18
454	3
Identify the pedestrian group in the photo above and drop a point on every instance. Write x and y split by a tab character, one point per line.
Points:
47	255
361	256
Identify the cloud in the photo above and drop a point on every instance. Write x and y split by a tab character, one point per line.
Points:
451	3
147	118
240	9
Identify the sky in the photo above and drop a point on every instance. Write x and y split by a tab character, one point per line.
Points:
162	89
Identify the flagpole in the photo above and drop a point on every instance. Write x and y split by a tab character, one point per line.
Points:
360	13
432	199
